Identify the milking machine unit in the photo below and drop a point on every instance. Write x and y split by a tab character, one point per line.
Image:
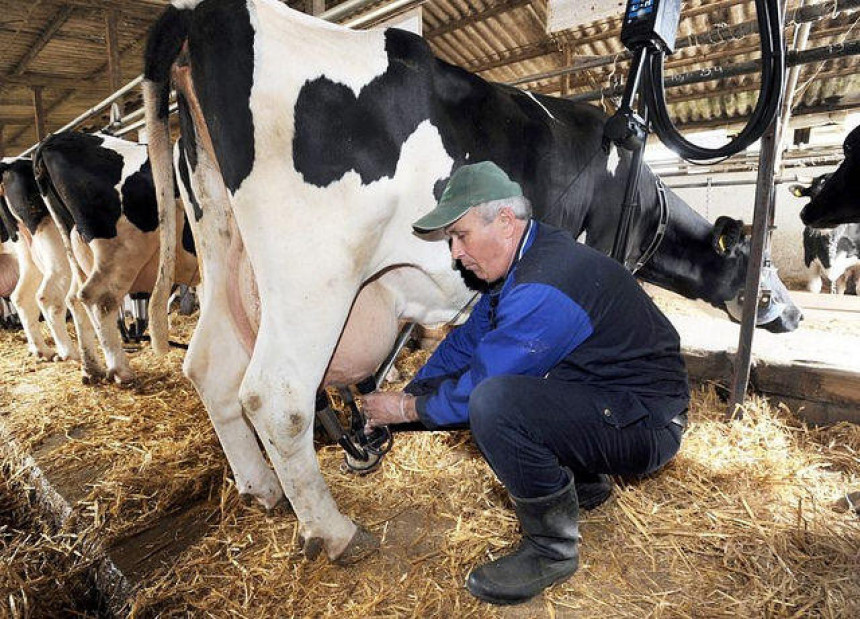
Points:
648	31
134	333
363	452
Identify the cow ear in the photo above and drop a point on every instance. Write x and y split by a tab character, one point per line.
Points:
727	234
798	191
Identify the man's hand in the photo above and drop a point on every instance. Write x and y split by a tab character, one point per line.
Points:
385	408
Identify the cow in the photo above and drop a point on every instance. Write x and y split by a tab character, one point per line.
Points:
8	269
311	148
44	276
99	190
835	197
831	253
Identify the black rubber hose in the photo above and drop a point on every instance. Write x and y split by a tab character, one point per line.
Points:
767	106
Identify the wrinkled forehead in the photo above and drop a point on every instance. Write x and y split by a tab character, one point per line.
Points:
467	222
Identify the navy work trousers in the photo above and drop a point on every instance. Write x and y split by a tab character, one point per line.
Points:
528	428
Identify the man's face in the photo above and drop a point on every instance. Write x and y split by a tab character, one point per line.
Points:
485	249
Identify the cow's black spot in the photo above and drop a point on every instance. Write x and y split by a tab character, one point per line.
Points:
221	41
85	175
187	237
138	199
337	132
22	194
188	141
185	177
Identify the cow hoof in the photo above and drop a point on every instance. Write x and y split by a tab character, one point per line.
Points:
362	545
312	547
123	378
92	376
282	507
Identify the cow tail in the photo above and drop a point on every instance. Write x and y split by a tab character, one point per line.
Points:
163	46
60	213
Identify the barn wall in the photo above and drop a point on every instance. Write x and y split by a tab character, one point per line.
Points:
739	202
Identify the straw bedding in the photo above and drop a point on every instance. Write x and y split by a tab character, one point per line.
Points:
745	521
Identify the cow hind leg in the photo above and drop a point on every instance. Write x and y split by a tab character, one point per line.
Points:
91	367
51	298
215	364
101	297
24	300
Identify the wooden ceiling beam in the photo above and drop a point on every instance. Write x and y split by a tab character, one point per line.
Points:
474	17
57	21
479	65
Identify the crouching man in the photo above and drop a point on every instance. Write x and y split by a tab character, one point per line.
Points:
565	372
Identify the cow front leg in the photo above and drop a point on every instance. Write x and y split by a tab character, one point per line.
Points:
282	413
215	364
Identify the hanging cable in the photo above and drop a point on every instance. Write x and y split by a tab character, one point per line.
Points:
770	93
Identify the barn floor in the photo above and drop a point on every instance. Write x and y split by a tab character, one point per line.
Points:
748	520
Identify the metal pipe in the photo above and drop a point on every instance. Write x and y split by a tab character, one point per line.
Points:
801	38
816	54
718	35
382	12
761	216
345	9
140	123
732	183
93	110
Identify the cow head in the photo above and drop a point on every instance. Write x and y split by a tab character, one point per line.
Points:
776	312
836	199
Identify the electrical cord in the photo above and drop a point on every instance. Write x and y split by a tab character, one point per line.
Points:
767	106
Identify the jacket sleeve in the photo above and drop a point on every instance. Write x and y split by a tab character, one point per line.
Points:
454	353
537	327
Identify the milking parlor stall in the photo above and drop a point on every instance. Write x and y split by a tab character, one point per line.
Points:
707	126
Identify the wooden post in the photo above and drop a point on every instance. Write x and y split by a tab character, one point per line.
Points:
315	7
114	69
567	78
39	112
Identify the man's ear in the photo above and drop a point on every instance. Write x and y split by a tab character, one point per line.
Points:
507	219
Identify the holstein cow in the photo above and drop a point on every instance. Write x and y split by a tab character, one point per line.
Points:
44	275
99	190
311	148
835	198
832	253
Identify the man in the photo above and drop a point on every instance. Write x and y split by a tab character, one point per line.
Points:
565	371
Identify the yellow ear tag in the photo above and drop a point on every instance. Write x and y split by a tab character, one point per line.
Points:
722	243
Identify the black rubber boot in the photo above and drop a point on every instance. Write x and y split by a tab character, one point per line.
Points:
547	554
592	494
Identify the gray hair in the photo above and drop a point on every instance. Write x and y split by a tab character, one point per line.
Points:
520	205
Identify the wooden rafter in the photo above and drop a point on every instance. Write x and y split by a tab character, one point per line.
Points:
474	17
56	22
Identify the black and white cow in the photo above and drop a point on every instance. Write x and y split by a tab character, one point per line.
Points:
99	190
311	148
43	272
831	253
835	197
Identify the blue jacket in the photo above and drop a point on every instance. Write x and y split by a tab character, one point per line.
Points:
566	312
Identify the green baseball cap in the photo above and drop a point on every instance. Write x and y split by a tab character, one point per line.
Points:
469	186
